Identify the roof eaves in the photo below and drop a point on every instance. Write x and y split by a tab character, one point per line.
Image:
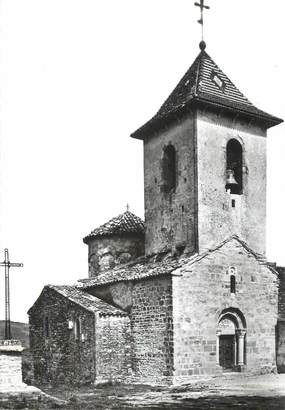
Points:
73	299
97	283
248	111
91	236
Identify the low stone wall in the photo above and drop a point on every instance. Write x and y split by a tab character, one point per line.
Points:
14	394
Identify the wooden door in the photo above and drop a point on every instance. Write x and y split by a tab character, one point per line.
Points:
226	351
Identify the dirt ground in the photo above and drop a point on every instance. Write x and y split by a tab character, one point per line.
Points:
232	391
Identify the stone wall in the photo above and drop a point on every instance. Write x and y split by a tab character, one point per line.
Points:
152	330
113	348
169	216
217	217
99	352
106	252
60	357
201	292
281	322
149	303
177	218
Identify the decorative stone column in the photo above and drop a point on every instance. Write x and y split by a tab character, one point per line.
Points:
218	333
240	344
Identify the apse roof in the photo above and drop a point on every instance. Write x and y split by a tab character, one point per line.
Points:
126	223
205	83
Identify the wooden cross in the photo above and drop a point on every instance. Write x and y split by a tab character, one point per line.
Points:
8	265
201	20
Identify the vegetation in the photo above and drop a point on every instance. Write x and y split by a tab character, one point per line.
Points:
20	331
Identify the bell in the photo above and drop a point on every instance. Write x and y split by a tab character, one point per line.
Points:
230	179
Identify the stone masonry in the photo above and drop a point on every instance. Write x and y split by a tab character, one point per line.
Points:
190	292
65	353
10	363
205	282
281	322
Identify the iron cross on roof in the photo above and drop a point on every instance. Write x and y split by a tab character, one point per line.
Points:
201	20
8	265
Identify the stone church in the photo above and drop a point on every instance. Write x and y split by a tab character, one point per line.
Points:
188	292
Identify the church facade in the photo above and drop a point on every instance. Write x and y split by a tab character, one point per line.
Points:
188	292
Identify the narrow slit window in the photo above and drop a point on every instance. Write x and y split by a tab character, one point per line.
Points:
46	326
169	169
233	284
77	329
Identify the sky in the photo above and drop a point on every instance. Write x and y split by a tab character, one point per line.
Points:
76	78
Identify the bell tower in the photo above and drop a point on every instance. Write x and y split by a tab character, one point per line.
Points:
205	164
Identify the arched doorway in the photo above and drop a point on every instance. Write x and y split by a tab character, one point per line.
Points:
231	340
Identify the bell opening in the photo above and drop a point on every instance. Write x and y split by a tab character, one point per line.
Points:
234	177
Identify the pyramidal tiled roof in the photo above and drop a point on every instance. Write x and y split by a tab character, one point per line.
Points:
122	224
206	83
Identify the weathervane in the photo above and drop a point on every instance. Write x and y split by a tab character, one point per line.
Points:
8	265
201	21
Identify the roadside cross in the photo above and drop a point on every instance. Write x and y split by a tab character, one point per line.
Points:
7	264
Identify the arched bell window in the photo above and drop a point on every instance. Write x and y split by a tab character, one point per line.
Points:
234	178
168	169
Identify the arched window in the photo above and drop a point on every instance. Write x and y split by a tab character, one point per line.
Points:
234	181
169	169
77	329
46	326
233	284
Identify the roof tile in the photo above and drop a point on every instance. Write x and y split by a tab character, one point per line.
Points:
87	301
157	265
125	223
198	85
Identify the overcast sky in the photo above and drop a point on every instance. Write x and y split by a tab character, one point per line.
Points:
76	78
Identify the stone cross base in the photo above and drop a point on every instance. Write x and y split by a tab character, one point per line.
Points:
10	364
13	392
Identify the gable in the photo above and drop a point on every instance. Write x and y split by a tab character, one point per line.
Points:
233	253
